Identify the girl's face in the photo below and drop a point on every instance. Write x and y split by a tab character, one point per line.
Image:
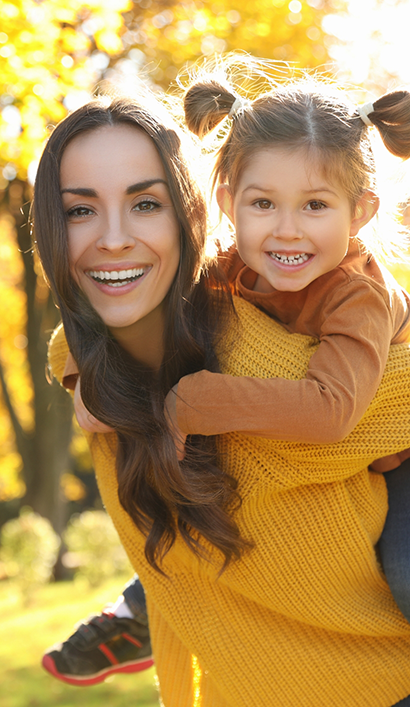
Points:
292	224
123	234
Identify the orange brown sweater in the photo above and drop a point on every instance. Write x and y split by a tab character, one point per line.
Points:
356	311
306	618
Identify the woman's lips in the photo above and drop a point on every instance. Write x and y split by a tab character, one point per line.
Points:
117	278
118	281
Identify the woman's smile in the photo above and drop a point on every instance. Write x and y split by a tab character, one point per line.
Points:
119	280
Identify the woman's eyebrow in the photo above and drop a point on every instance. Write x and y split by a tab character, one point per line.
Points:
141	186
79	191
133	189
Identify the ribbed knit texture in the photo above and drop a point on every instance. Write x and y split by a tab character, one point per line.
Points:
306	618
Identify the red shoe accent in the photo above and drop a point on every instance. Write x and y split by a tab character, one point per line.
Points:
135	667
131	639
109	654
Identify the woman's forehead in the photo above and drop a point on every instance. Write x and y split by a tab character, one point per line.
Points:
118	152
111	137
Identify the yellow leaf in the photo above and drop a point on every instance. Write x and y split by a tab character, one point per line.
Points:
108	41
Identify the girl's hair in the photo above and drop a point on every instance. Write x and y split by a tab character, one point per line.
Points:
161	496
304	113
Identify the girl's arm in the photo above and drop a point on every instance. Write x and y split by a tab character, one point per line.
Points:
341	380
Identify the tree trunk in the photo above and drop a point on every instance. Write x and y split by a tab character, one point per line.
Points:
44	452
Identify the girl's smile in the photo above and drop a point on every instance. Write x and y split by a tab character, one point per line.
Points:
290	259
123	233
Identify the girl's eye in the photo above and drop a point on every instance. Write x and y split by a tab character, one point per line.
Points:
263	204
316	205
146	206
79	212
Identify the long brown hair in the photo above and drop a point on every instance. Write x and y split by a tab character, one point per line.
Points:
161	495
306	113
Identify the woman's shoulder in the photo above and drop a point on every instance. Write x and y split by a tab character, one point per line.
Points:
256	345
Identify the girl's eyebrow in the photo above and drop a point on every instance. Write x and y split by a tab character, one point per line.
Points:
307	192
133	189
256	187
319	188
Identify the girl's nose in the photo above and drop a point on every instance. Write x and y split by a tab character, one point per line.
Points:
286	227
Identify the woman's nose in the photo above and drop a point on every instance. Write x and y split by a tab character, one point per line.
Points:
115	236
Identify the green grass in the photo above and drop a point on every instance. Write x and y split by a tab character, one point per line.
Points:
27	632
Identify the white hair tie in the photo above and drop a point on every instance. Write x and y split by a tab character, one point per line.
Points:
239	106
364	111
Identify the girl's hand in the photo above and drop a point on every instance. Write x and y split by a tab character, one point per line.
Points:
392	461
84	418
170	409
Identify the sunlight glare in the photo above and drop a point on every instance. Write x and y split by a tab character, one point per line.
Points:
372	46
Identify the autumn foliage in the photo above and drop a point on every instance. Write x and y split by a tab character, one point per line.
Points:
53	54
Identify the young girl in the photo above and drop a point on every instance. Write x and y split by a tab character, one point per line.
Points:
297	179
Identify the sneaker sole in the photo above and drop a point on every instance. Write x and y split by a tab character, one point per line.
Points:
132	667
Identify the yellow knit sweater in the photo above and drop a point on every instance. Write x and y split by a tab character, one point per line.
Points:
306	618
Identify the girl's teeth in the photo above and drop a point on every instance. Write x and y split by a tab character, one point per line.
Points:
116	278
290	259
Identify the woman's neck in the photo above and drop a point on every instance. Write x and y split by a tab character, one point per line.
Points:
144	339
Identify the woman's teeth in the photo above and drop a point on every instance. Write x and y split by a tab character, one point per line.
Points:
116	278
290	259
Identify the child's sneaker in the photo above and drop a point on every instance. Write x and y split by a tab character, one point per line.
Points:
102	645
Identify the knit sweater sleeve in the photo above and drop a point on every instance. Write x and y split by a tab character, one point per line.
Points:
323	407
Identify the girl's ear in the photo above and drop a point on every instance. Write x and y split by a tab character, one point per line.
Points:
225	200
366	208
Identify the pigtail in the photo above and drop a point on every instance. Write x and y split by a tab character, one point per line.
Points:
391	116
206	104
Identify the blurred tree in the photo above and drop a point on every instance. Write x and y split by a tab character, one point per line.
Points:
48	65
52	55
164	36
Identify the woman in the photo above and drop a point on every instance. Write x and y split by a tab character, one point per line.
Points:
262	581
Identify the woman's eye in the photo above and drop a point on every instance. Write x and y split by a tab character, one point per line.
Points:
146	206
263	204
316	205
79	212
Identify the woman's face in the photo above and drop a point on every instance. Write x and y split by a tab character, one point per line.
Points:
123	234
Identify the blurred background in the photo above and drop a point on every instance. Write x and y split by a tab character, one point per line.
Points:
53	56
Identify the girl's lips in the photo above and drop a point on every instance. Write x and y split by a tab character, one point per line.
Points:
287	261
